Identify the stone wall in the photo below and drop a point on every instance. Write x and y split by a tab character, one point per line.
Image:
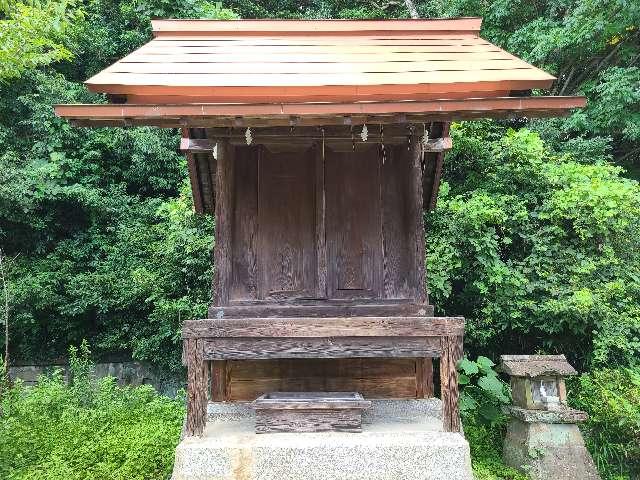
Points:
126	373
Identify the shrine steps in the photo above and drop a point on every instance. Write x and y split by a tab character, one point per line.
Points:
401	440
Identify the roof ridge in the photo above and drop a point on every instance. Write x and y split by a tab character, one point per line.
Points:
242	27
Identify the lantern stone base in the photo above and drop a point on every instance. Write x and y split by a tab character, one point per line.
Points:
401	440
548	451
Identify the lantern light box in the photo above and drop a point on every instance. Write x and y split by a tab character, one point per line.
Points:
538	381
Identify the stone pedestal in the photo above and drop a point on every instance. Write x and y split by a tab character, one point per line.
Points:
547	445
400	440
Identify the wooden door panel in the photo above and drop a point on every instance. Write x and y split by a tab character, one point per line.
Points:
353	224
398	225
286	225
244	282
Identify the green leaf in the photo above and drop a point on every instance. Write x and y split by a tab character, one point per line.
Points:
467	366
486	366
489	412
467	403
485	362
494	386
463	379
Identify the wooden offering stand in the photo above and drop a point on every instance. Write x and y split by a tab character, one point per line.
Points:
309	412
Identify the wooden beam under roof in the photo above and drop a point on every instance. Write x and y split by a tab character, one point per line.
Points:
246	115
287	137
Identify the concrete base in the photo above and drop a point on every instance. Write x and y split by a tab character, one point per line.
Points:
401	440
547	451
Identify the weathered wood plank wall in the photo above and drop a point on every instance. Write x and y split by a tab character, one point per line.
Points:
310	223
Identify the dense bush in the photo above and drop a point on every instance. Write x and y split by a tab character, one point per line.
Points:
482	396
87	430
611	397
485	443
100	220
539	251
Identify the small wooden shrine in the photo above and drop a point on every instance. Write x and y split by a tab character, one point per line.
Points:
317	145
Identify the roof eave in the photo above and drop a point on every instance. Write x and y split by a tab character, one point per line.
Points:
316	113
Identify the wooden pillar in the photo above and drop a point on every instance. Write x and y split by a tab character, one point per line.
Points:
224	219
433	167
417	214
451	354
197	379
321	207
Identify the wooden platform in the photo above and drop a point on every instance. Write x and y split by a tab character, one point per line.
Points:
321	338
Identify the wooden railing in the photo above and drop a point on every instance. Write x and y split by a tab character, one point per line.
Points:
341	337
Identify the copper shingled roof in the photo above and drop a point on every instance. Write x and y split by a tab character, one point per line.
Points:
397	59
253	63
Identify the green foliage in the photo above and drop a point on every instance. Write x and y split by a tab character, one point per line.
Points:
482	396
611	397
482	393
34	34
87	431
536	250
591	46
322	9
485	443
101	219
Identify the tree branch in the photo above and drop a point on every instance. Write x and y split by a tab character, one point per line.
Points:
3	279
566	82
629	154
412	8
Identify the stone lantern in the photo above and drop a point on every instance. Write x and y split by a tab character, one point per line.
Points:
543	439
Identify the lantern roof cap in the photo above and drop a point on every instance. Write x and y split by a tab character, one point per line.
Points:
535	365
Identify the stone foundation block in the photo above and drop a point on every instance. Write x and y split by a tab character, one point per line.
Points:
401	440
548	451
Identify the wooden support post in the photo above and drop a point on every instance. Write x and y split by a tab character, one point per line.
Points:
416	213
451	354
321	247
193	172
433	168
224	219
197	379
